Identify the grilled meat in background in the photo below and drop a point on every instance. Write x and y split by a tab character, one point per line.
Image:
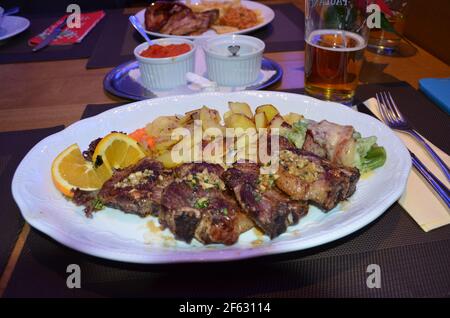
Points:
270	209
190	23
178	19
158	13
197	205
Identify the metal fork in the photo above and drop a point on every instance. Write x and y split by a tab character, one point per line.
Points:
395	120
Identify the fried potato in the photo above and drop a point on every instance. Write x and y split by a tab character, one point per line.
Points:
222	29
162	126
260	120
166	159
292	118
210	118
276	122
269	110
241	108
227	114
239	121
165	145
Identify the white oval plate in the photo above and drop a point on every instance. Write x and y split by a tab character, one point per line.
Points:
118	236
13	25
267	13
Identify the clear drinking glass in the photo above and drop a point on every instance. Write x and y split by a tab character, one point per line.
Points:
386	40
336	35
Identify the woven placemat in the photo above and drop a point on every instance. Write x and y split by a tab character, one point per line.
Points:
13	147
119	39
413	263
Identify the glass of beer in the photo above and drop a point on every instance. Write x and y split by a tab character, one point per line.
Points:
384	41
336	35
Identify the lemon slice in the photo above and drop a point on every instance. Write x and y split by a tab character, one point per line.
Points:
70	170
118	150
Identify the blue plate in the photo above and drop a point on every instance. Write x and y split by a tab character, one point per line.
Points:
119	83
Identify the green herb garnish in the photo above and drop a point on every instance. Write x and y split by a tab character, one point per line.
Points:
201	203
97	204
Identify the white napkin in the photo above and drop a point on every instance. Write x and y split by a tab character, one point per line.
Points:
200	69
419	199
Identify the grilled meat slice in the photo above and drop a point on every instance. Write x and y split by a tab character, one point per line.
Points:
269	208
137	189
205	20
196	205
305	176
158	14
331	141
87	154
188	23
88	199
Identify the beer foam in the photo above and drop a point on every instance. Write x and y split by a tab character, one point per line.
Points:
315	36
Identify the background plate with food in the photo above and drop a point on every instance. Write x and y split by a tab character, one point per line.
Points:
201	18
128	237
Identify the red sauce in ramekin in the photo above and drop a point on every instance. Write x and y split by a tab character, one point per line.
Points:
162	51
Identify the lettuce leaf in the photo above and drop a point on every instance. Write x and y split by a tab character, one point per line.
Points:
297	133
369	155
375	158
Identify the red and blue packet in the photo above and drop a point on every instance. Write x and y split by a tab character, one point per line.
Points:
70	35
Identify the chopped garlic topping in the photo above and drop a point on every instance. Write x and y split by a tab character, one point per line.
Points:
303	168
206	180
134	179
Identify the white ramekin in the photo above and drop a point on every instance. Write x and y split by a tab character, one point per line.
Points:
168	72
227	70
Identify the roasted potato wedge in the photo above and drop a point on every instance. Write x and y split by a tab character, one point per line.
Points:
269	110
241	108
194	114
166	159
222	29
162	126
239	121
276	122
210	118
292	118
162	146
260	120
227	114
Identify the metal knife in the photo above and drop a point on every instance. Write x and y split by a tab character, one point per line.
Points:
51	36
